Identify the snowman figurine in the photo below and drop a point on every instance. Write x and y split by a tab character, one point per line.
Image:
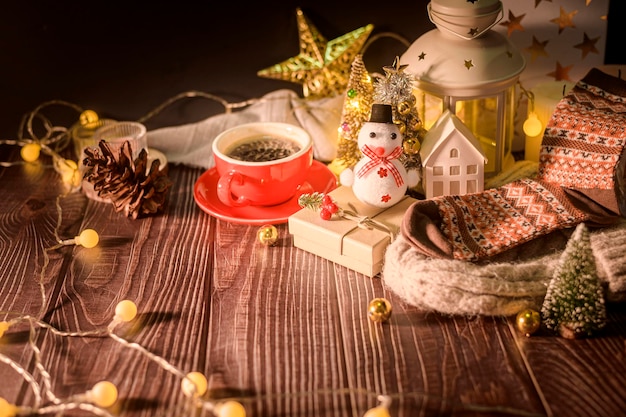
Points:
379	178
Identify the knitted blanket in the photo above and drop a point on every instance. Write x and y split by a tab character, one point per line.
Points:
503	286
190	143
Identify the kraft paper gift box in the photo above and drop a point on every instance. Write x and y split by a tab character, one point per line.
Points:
342	240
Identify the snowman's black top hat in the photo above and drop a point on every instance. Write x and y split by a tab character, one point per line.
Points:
381	113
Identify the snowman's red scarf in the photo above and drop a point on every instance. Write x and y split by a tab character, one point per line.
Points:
581	179
385	161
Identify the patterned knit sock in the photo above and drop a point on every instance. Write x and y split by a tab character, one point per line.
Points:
583	146
581	178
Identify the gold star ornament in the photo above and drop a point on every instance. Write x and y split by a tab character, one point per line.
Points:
322	67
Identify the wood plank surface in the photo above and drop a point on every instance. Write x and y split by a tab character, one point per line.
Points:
283	331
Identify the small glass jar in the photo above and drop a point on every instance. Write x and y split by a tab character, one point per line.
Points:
115	134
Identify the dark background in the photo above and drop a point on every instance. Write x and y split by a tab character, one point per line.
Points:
123	59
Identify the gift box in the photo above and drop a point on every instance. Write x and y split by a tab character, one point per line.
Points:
358	242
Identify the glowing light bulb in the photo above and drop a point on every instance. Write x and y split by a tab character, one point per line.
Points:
88	238
7	409
4	326
88	117
30	152
194	384
103	394
68	170
230	409
532	126
379	411
125	310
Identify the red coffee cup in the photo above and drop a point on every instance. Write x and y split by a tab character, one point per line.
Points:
272	163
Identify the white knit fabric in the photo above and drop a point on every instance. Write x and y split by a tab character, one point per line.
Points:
190	144
464	288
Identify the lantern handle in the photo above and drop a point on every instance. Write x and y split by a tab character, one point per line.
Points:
495	22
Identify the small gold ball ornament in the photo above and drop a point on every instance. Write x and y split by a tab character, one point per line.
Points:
268	235
528	321
403	108
411	146
379	310
401	126
415	123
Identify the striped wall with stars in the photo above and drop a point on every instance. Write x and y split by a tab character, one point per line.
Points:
561	40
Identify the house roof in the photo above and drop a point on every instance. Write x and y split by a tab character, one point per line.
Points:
442	130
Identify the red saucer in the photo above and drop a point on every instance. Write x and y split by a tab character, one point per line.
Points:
320	179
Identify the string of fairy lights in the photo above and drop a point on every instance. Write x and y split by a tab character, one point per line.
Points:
99	398
103	394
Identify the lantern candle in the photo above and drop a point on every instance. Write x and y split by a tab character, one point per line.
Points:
546	97
470	71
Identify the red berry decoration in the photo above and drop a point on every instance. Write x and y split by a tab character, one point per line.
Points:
325	214
323	203
329	204
332	207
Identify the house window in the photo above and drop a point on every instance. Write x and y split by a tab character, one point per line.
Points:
438	170
472	169
455	187
472	186
454	153
437	188
455	170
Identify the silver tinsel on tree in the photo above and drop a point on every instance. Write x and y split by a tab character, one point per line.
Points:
396	89
574	302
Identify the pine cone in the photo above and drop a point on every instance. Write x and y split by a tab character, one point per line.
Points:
127	183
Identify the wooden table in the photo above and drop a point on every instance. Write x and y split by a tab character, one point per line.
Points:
284	332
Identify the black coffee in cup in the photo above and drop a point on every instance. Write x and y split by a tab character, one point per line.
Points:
263	149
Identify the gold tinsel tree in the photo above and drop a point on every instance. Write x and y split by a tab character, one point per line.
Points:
357	107
396	89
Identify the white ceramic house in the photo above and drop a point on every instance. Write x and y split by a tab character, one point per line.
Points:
453	162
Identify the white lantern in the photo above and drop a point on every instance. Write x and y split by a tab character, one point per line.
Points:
465	67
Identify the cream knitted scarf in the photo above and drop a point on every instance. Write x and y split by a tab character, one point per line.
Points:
502	287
